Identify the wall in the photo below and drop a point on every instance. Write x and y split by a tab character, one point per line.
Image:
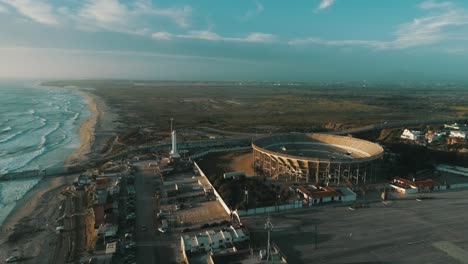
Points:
218	197
270	209
458	185
201	154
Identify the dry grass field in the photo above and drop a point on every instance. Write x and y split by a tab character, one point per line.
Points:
264	107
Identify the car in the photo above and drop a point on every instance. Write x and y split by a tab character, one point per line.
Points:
161	230
12	259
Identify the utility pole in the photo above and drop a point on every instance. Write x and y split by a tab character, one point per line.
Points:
269	228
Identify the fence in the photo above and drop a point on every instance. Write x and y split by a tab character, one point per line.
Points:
271	209
203	153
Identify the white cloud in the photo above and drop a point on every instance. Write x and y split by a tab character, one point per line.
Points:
324	4
252	12
36	10
161	35
212	36
431	4
202	34
260	37
104	11
349	42
178	15
3	9
114	15
450	23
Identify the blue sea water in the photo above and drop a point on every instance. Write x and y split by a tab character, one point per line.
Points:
38	130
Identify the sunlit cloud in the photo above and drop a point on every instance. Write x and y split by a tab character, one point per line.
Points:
255	37
3	9
161	35
324	4
37	10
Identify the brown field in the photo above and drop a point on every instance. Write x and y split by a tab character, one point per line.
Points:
144	106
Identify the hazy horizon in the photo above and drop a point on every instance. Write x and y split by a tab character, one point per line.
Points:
321	40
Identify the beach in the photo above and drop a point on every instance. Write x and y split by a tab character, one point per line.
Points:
29	229
86	134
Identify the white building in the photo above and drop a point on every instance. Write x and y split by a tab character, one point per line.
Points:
213	241
410	134
458	134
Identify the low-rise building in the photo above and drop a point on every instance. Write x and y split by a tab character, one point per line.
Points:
318	194
405	186
211	241
411	134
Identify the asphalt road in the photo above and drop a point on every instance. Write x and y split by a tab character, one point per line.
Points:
399	231
152	246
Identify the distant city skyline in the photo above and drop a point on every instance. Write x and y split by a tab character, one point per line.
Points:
314	40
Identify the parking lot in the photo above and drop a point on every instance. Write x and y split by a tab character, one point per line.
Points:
430	230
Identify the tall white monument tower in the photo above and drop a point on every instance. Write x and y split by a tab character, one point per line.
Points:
174	153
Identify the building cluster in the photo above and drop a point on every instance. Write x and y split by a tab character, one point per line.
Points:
454	134
214	242
113	192
405	186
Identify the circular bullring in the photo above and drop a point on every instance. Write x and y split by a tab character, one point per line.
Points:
319	157
319	147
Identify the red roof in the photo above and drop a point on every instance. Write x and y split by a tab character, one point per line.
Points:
418	183
304	191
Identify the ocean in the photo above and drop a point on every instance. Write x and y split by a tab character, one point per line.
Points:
38	130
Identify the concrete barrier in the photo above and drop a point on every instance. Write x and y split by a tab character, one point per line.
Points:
218	197
270	209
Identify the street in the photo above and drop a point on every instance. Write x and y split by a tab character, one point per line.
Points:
152	246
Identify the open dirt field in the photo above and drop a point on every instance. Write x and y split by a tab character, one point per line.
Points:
207	212
263	107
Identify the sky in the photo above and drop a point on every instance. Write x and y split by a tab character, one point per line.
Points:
313	40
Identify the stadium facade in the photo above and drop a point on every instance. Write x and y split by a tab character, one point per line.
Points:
316	158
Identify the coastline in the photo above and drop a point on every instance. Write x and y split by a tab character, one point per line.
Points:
86	133
37	209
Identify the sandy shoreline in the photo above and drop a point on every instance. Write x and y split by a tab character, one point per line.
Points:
86	133
37	209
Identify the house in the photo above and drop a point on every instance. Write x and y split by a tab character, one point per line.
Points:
410	134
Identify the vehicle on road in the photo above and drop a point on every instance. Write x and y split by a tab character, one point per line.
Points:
160	229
